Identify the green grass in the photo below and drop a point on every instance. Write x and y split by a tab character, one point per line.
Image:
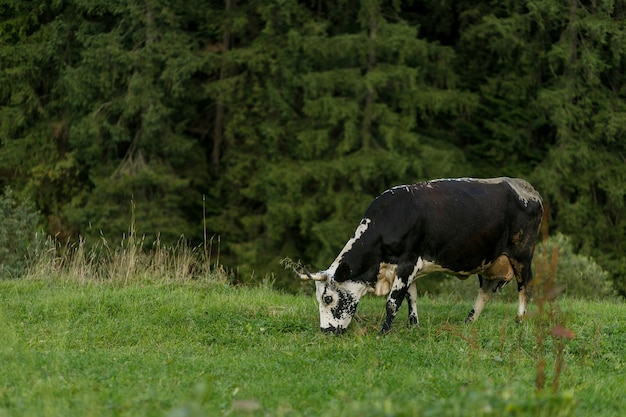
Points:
191	349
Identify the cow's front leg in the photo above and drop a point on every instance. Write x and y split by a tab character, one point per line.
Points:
398	291
411	298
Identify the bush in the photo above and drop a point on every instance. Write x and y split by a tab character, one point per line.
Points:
17	233
581	276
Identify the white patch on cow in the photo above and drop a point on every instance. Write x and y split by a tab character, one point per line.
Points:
468	179
322	289
419	265
404	187
425	267
361	228
409	188
357	289
343	297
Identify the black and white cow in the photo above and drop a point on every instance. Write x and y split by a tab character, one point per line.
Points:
461	226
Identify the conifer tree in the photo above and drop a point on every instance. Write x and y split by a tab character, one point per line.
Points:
104	100
585	172
129	131
550	80
350	104
36	43
291	116
501	49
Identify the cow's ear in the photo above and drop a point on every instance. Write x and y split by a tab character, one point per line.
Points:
343	272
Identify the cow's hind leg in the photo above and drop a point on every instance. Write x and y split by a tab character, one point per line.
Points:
524	276
524	297
487	288
411	298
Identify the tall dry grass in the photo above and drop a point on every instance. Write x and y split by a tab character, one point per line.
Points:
128	261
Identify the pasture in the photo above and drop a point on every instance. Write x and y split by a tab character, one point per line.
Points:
206	349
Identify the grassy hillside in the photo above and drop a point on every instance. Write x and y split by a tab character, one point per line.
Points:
200	349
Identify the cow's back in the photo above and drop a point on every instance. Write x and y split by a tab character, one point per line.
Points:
457	223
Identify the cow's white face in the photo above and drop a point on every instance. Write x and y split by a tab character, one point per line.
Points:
337	303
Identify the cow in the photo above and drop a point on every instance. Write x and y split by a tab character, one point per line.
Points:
460	226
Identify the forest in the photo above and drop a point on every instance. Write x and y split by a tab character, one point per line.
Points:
269	125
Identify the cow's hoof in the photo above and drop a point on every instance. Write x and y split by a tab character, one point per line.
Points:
333	330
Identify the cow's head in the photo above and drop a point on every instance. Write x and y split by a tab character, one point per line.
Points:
337	296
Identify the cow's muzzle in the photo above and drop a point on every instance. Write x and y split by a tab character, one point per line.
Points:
333	330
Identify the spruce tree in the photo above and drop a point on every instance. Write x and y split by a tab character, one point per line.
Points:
100	104
584	174
324	112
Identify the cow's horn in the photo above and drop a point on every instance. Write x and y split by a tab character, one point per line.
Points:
307	275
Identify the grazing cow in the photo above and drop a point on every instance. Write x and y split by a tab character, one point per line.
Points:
461	226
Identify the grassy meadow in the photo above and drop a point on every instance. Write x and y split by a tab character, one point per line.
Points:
203	348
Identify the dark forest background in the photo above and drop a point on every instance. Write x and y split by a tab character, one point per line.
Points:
273	124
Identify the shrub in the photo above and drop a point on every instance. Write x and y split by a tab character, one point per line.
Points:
580	275
17	233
